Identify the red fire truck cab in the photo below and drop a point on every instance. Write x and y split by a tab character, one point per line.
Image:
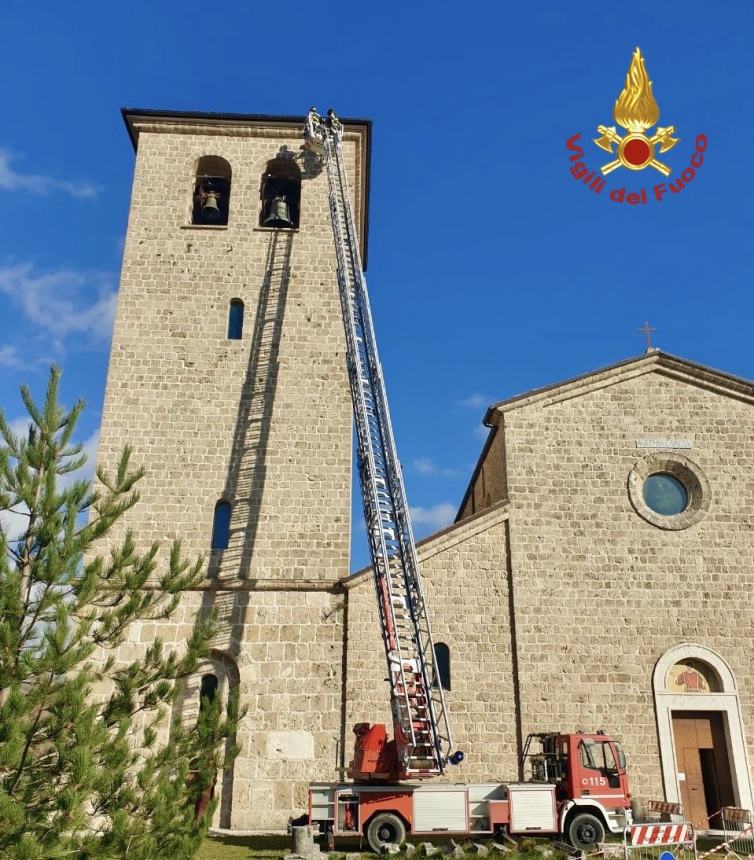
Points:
575	785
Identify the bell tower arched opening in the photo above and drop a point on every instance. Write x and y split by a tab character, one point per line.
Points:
211	191
281	194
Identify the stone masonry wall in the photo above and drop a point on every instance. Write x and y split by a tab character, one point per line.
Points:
284	649
600	593
465	581
264	422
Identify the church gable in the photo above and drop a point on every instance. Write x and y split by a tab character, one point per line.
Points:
592	453
655	398
654	362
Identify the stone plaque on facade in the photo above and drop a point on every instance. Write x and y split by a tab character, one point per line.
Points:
663	442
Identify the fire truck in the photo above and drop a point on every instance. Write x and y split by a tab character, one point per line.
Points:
574	784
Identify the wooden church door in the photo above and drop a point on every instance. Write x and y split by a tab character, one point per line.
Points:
704	777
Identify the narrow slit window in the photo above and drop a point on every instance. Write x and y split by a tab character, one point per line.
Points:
211	191
281	194
442	665
207	691
221	525
235	320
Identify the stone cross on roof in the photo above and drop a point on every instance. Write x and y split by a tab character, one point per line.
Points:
647	330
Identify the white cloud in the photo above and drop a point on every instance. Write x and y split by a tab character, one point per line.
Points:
20	426
475	401
436	517
425	466
13	523
86	472
62	302
9	357
12	180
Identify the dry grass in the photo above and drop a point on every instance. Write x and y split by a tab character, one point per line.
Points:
243	847
261	847
276	847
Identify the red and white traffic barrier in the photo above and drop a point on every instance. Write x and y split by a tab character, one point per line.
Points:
724	845
659	834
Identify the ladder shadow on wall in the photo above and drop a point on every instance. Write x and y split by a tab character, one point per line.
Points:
247	470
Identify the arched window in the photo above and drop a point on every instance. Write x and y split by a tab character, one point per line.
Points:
235	320
211	191
442	665
207	690
221	525
281	194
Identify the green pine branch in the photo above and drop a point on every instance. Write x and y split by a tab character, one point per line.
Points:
90	765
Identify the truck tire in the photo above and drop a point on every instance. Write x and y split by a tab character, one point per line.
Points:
385	829
585	831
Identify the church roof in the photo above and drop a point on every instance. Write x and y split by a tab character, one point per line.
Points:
655	361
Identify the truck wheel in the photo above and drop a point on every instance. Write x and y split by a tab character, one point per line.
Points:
585	831
385	829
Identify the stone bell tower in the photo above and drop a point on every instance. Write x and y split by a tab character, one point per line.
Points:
227	376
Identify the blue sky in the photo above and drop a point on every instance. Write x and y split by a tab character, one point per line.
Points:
492	270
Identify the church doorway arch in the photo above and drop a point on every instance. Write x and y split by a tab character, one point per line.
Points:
702	744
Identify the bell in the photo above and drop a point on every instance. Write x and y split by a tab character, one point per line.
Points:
210	209
278	213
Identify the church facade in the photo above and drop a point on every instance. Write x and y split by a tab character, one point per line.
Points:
598	576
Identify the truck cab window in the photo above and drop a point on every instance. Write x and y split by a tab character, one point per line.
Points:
596	755
591	755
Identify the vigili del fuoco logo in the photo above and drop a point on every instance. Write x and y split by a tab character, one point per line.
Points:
637	112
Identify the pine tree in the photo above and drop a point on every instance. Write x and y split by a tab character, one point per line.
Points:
89	767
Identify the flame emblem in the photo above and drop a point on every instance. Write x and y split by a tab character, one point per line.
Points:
636	110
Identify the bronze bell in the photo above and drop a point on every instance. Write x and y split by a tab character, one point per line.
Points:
278	213
210	209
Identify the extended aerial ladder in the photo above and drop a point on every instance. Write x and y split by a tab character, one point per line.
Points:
557	799
422	740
